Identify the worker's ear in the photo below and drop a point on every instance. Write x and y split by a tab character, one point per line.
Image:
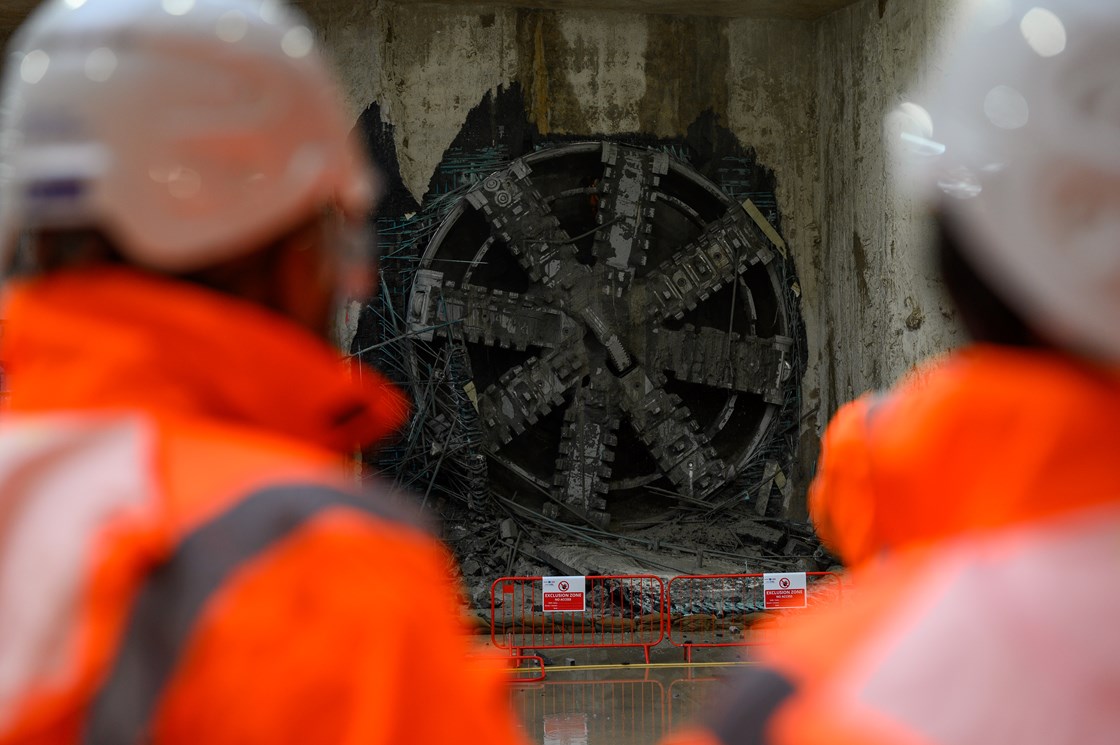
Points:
306	278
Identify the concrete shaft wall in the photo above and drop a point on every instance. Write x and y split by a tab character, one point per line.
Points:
879	307
808	96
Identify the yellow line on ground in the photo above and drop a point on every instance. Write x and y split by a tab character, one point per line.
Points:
640	666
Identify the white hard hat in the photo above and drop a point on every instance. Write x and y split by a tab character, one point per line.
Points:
189	131
1017	141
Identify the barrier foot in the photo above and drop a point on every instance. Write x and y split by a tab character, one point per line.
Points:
517	666
688	653
646	650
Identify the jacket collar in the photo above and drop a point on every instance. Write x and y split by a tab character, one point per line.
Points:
115	338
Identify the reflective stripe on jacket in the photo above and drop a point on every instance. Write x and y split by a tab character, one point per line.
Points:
181	558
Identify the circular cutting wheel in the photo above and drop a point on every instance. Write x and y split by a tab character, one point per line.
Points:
622	319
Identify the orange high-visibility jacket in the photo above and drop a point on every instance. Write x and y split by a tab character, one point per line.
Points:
182	559
986	437
991	616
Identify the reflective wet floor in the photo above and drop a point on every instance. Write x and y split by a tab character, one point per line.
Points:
615	704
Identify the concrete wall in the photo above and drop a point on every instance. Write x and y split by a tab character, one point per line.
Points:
809	96
880	308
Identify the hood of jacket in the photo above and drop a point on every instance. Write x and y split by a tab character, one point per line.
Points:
117	338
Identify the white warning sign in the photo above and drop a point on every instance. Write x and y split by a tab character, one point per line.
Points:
784	590
564	594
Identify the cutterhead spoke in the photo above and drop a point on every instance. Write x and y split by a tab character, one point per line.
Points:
667	428
490	317
722	252
520	217
583	467
527	392
626	204
717	359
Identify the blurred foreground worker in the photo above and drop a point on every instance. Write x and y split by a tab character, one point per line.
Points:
180	558
982	497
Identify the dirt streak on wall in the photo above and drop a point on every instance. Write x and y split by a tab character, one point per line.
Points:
599	72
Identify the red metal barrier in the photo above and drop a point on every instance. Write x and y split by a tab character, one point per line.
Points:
591	711
620	611
718	610
521	674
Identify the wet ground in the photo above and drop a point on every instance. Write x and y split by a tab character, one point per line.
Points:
589	698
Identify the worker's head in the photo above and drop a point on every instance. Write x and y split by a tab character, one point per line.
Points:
197	138
1015	143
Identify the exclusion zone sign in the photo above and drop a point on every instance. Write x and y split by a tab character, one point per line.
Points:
564	594
783	590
